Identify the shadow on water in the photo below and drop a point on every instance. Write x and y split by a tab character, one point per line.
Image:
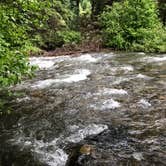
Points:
88	110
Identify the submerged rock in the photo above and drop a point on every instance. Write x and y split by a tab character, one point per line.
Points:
86	149
138	156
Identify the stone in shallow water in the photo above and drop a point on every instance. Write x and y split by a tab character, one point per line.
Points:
162	97
80	134
138	156
86	149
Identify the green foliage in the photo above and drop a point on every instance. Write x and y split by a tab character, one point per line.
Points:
33	20
26	25
162	10
133	25
13	65
59	38
52	17
67	37
85	8
13	36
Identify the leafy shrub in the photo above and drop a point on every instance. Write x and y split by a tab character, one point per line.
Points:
13	66
25	25
50	19
85	8
133	25
60	38
66	37
13	60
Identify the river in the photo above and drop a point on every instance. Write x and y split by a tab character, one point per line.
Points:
98	109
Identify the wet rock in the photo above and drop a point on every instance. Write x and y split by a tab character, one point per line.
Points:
81	155
86	149
81	134
37	93
162	98
138	156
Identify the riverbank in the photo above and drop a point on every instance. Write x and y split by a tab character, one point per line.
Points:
77	49
67	51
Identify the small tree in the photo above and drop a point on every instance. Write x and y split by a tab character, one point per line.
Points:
133	25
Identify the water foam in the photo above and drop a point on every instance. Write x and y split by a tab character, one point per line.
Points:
141	76
144	103
110	104
107	91
141	53
42	62
107	104
86	58
154	59
82	75
26	98
46	152
53	157
126	68
46	62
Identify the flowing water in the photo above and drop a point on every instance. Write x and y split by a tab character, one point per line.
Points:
99	109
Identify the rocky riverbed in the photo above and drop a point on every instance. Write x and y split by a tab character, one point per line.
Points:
97	109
